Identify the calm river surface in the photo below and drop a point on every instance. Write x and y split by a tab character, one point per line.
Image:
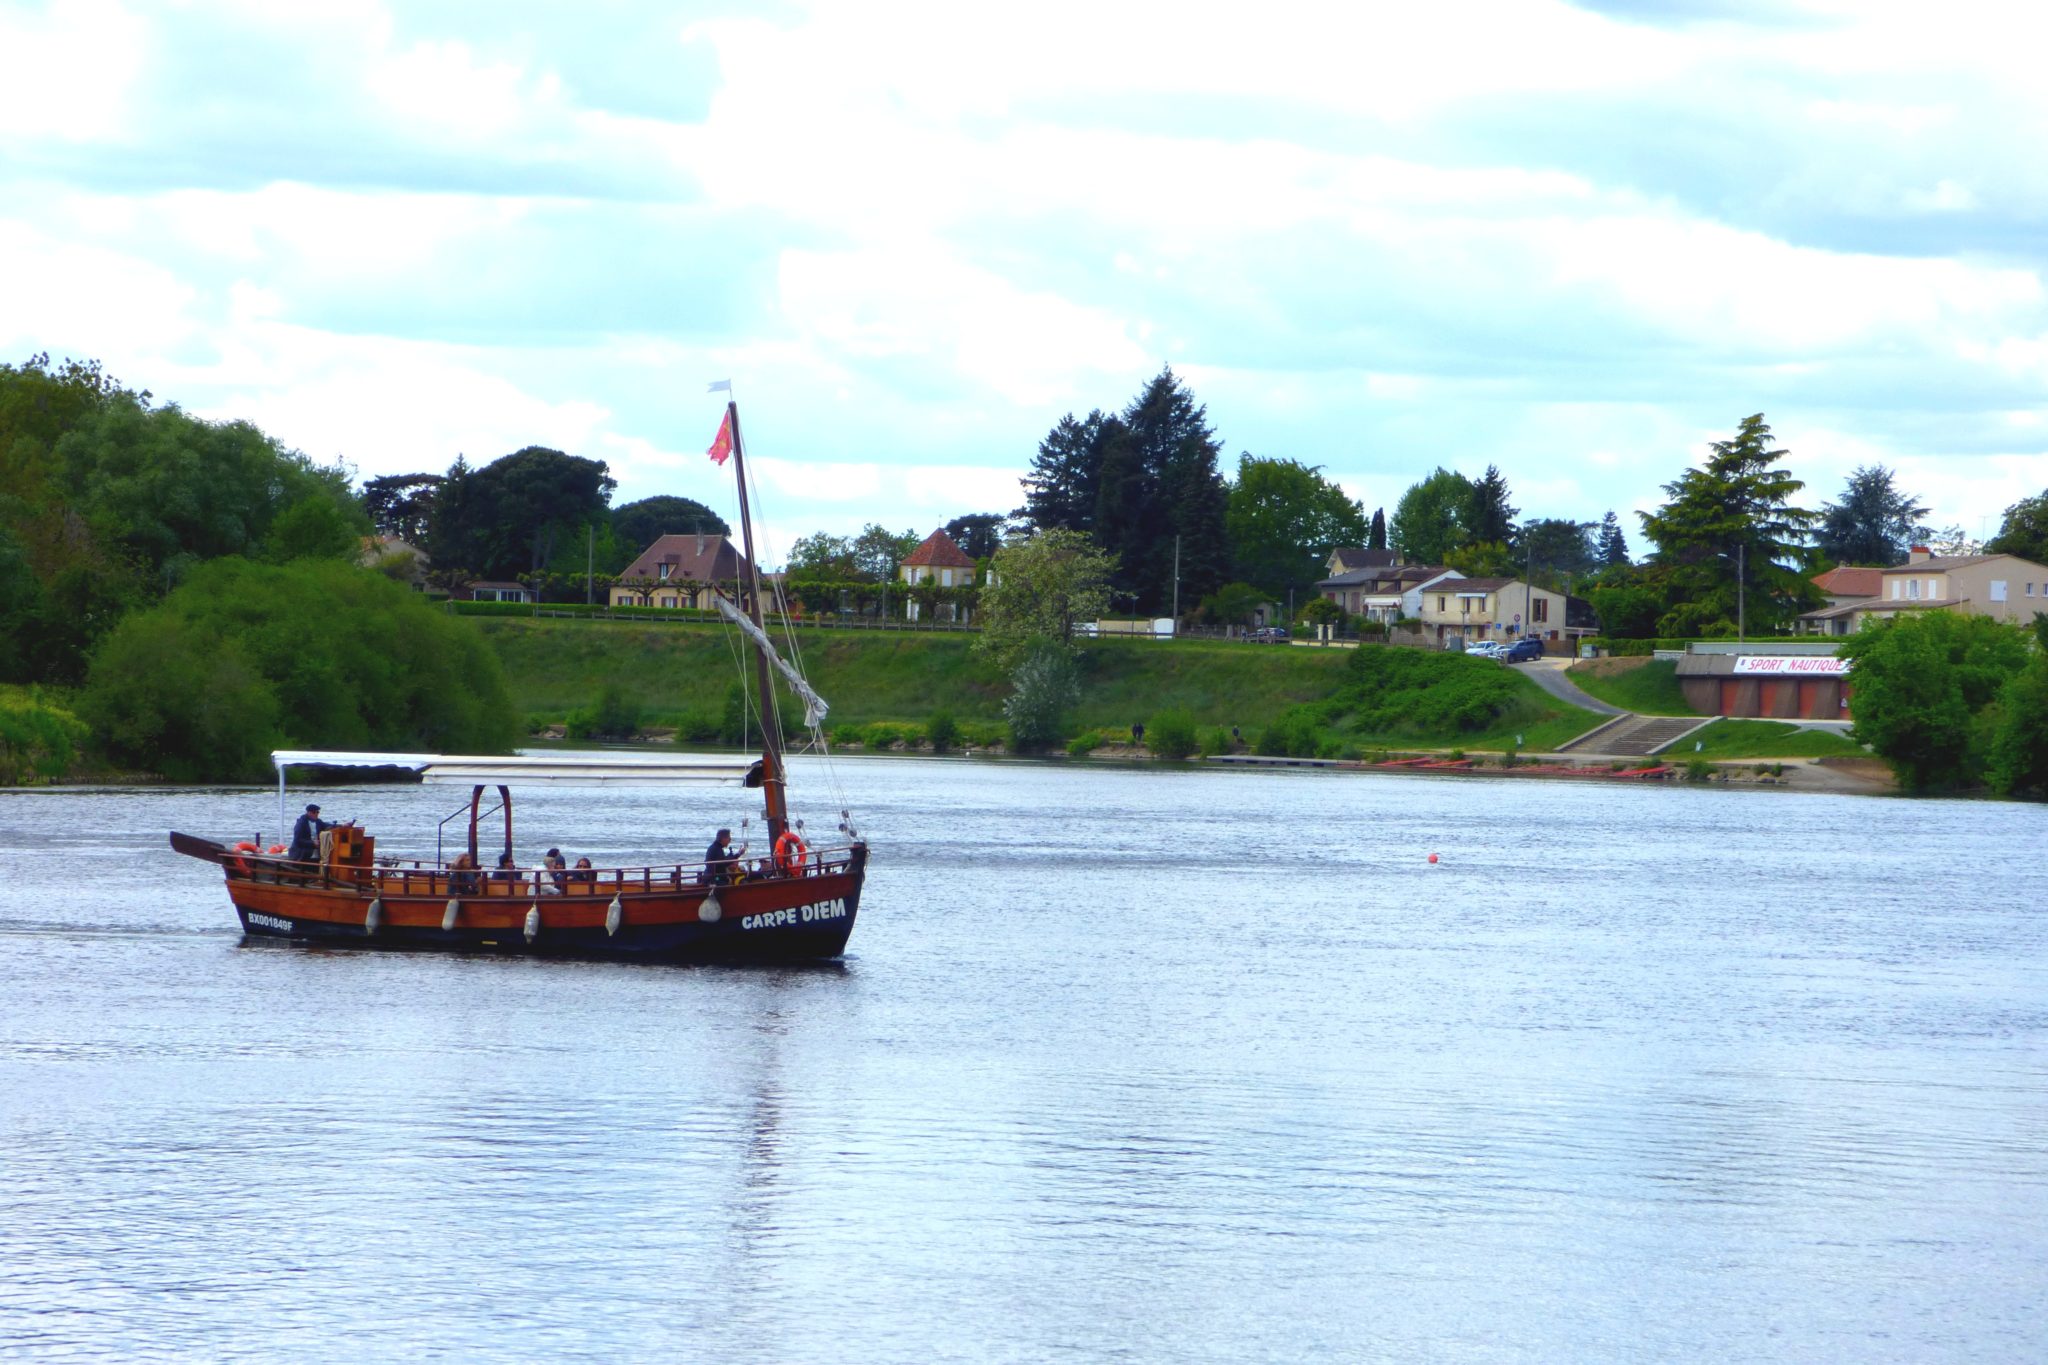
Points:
1126	1064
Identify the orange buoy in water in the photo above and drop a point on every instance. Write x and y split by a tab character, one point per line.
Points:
1432	857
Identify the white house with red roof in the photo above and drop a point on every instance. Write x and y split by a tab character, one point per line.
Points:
941	563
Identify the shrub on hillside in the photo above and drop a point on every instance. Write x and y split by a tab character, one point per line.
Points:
941	731
38	741
1044	685
244	658
615	716
1424	691
1171	734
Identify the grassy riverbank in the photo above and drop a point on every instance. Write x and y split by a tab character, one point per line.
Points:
1648	687
670	671
683	674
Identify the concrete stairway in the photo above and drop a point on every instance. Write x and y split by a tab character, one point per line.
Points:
1633	736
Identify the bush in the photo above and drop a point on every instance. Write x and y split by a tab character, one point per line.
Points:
244	658
1171	734
1084	744
1698	769
941	731
38	741
1215	740
616	716
1043	686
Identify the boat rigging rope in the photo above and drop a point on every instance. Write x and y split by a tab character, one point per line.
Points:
815	706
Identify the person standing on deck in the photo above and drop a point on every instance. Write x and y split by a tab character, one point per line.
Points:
721	859
306	835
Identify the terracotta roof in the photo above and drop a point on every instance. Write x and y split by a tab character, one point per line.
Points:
1848	581
689	558
939	552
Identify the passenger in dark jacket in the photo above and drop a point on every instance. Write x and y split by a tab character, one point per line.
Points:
721	860
306	835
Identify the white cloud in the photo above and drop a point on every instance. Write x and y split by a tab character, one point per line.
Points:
67	74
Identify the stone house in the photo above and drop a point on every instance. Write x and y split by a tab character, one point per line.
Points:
681	571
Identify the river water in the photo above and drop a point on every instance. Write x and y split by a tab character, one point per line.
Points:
1124	1064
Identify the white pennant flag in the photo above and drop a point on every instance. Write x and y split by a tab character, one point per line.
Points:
720	386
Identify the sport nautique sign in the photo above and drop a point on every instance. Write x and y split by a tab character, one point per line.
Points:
1792	665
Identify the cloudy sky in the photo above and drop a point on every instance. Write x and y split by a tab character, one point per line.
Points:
1577	242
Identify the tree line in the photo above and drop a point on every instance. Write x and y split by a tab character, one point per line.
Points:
193	591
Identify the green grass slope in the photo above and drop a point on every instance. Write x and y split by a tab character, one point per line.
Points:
1649	687
1733	738
554	667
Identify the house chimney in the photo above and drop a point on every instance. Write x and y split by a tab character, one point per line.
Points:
1918	554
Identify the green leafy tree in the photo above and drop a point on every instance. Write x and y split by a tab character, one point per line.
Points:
1873	524
1233	604
978	534
1613	545
638	525
313	528
1921	684
1729	538
510	516
2024	531
1429	521
401	505
1488	516
1043	684
822	556
1284	518
1627	604
1559	548
245	657
878	551
2019	746
1038	589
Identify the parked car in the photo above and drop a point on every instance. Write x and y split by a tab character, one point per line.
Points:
1271	635
1528	647
1484	649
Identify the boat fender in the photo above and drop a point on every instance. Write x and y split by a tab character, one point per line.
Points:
374	916
614	916
533	924
448	916
710	910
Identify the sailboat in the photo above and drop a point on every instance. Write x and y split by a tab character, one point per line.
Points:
798	903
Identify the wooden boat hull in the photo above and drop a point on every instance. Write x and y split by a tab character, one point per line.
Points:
773	919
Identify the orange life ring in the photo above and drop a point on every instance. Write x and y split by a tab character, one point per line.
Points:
241	865
789	853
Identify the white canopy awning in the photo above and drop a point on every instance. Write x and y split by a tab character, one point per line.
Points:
531	768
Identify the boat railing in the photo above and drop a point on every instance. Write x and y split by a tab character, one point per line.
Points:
420	877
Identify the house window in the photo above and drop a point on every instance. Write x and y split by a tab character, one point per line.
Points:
1441	604
1539	609
1998	589
1898	589
2030	589
1934	587
666	569
1913	589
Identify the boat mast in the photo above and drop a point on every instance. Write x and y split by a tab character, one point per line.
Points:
774	793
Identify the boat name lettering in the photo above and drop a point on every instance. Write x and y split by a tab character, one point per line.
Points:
800	914
270	922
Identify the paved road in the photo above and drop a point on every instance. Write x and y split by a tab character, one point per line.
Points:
1548	674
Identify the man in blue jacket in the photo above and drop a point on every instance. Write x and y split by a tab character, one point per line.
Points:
306	835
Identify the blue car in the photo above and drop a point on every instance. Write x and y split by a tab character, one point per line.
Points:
1528	647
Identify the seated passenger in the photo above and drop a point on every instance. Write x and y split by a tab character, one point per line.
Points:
558	868
583	875
721	860
508	871
462	878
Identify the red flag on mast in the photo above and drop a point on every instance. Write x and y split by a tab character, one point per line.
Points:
721	448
